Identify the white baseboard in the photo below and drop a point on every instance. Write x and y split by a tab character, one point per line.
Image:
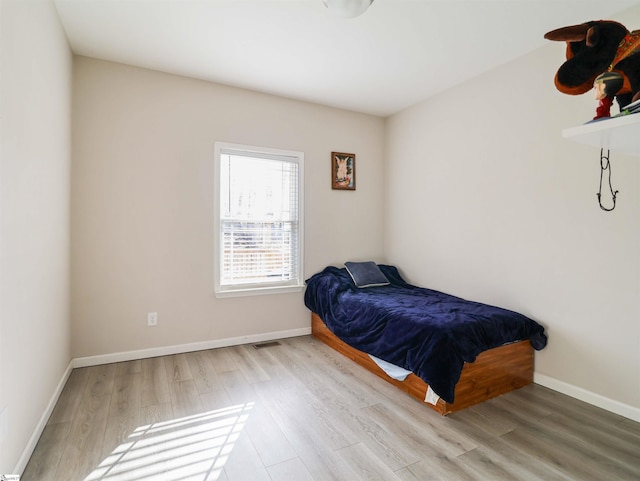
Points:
35	436
181	348
589	397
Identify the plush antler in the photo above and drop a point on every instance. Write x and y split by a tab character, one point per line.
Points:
574	33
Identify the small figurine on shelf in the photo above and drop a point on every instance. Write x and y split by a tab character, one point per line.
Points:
606	86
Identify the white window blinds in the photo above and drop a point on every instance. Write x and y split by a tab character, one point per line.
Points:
259	224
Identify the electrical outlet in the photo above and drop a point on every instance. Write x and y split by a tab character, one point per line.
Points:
152	319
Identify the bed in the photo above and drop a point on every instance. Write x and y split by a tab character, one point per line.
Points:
455	353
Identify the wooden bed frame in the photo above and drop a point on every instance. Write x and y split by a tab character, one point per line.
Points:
494	372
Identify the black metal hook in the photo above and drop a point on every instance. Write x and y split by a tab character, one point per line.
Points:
606	166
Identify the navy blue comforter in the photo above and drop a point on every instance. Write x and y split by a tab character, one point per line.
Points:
427	332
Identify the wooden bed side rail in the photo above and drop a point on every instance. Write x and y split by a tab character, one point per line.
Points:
495	372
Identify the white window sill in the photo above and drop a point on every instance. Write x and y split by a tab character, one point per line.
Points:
257	291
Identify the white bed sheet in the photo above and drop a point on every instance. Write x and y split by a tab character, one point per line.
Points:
400	374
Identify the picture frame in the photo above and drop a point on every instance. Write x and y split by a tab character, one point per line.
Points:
343	171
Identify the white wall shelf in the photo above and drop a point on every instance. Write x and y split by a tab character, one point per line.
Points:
620	134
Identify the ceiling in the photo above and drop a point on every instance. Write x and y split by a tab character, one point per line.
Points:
395	55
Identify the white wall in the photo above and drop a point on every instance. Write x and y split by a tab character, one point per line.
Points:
142	204
488	201
35	111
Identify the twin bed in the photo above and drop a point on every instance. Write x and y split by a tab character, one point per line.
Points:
443	350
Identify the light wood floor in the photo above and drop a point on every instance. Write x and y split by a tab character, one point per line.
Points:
299	411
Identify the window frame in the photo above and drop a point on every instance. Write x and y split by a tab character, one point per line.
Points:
244	289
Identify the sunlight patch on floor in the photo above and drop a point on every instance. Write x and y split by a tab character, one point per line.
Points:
192	448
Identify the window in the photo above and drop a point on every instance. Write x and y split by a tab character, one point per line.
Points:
258	220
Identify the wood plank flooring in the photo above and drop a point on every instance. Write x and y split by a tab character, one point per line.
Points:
299	411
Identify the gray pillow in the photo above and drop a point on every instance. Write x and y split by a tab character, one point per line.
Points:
366	274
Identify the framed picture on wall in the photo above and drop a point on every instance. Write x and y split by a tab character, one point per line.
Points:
343	171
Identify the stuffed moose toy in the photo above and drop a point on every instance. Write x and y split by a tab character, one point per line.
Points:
599	50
